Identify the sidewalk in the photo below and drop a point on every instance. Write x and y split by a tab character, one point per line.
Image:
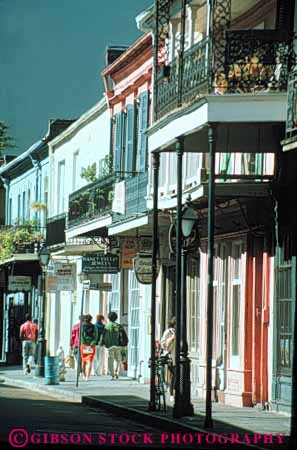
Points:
128	398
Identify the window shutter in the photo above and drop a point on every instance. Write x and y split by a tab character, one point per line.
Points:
117	143
130	141
142	138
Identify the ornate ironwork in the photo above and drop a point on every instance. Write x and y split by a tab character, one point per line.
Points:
91	201
291	126
195	71
162	8
255	60
221	22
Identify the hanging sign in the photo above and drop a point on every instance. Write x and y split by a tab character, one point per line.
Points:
19	283
142	265
100	263
128	252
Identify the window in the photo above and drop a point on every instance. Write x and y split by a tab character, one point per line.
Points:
61	187
10	212
23	207
45	190
143	120
28	204
194	298
284	314
75	171
19	209
219	302
114	304
235	299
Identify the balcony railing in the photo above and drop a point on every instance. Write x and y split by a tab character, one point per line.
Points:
91	201
291	126
55	230
255	60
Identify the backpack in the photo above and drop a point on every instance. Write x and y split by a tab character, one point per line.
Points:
89	330
123	338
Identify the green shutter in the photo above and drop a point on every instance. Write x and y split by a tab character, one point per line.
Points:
117	143
142	138
130	141
225	166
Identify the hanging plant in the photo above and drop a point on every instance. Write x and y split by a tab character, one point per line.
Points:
39	206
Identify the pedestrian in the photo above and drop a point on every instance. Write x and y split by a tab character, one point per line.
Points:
74	340
28	336
114	338
168	342
100	351
89	338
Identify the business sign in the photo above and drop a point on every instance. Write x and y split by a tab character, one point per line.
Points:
128	253
19	283
100	263
55	283
143	268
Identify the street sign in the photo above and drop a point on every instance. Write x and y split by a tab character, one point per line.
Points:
19	283
143	268
86	285
100	263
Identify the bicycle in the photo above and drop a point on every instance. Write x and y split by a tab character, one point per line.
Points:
160	383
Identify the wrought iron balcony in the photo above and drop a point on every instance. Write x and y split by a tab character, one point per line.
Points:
55	230
91	201
291	126
254	61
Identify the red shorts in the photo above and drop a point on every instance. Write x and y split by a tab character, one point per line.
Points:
86	354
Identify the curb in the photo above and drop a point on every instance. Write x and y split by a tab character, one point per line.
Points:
159	422
51	391
156	421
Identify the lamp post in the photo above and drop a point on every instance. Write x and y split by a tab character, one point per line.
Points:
189	236
44	257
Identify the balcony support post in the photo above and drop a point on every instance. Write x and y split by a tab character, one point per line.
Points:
155	238
210	251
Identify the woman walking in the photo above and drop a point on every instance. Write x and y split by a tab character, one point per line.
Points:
89	338
100	351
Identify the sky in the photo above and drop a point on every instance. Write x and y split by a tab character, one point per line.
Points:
52	53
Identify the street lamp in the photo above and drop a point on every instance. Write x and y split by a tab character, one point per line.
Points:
44	257
189	241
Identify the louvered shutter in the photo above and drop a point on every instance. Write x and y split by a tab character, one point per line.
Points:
117	143
130	141
142	138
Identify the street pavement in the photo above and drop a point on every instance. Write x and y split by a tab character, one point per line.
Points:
129	399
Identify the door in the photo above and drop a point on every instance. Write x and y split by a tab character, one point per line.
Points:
134	325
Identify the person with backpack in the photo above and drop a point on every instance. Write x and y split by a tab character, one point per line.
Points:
89	339
114	338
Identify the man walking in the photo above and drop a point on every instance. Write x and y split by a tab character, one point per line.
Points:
28	336
74	339
114	338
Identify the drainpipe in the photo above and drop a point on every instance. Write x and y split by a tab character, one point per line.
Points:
6	184
37	166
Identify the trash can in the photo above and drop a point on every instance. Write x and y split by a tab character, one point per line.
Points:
51	370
